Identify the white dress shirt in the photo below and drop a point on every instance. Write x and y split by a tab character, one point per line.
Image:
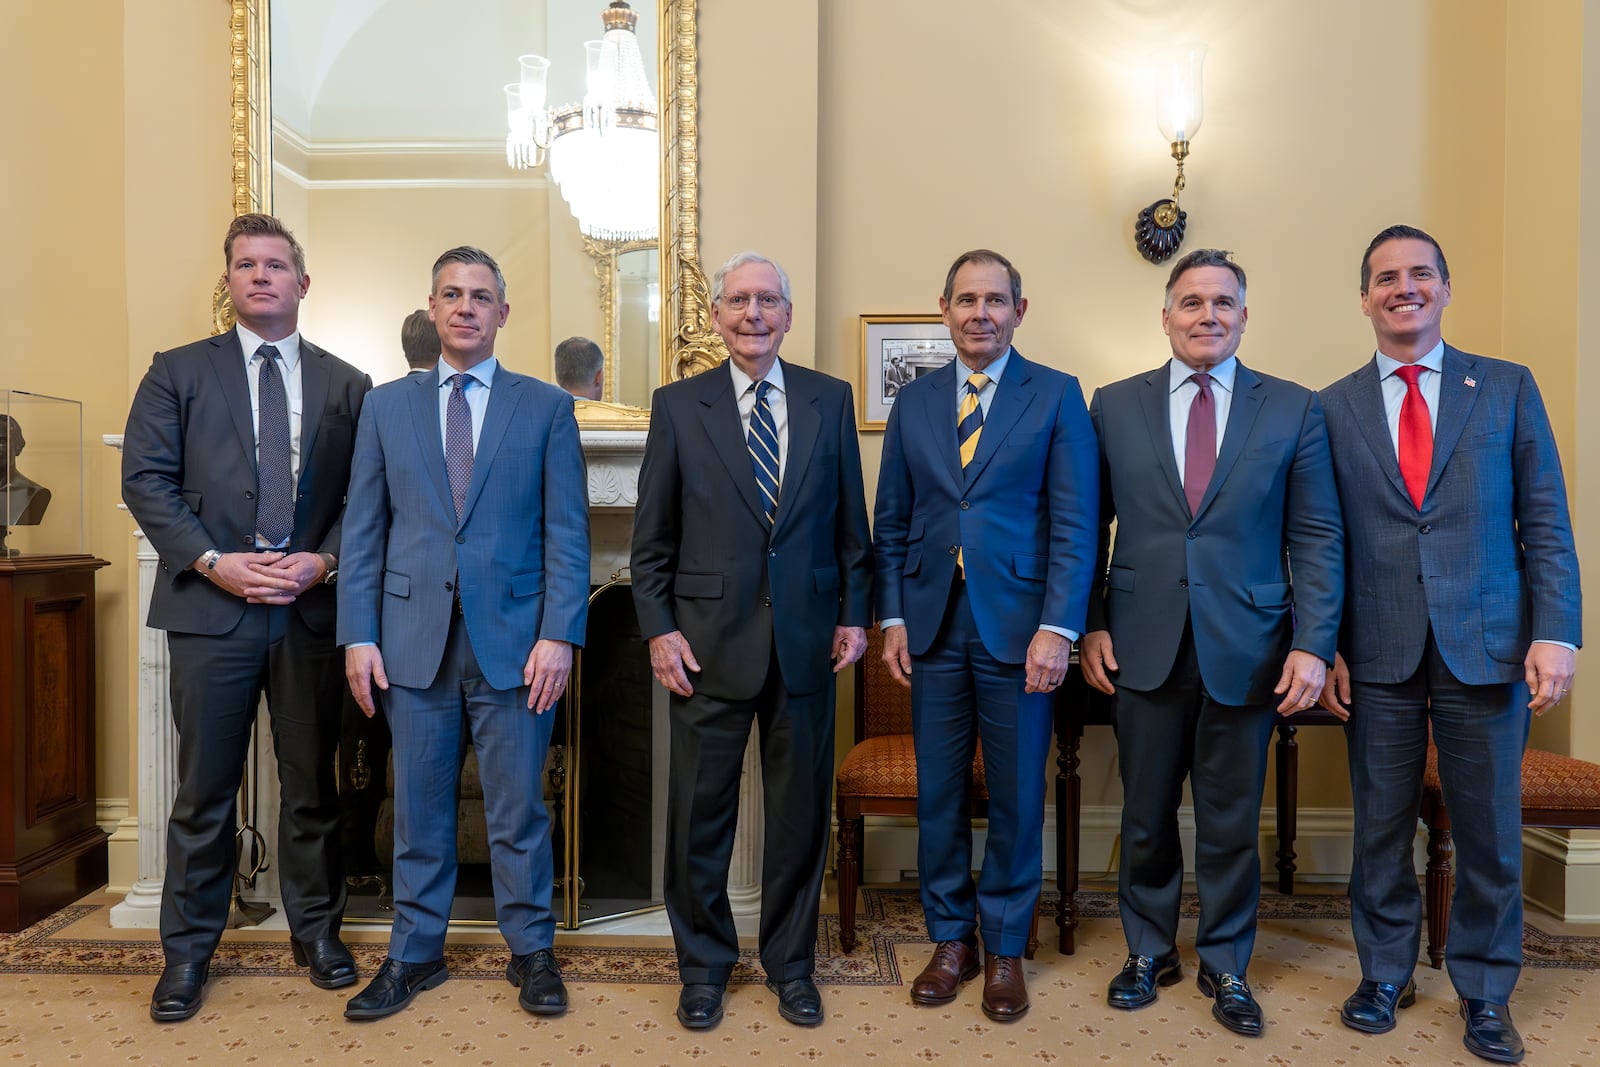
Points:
289	350
777	401
1394	389
1181	392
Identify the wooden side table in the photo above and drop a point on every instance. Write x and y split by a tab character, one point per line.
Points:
52	852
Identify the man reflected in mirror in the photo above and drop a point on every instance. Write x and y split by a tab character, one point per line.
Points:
235	464
581	368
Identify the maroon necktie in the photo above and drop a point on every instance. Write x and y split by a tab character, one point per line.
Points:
1416	436
1200	443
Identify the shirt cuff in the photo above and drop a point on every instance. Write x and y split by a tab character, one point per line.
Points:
1563	644
1070	635
886	623
362	644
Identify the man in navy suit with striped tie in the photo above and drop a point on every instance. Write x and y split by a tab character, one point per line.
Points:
752	577
984	539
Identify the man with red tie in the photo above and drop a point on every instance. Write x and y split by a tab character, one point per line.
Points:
1219	480
1462	615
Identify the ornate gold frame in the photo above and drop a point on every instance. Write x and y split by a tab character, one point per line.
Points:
688	344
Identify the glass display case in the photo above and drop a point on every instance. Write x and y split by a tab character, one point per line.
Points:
41	484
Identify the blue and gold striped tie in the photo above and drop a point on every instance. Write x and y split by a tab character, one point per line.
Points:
969	427
763	444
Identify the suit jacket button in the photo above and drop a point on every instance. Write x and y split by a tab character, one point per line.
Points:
1419	579
1184	582
248	495
773	554
461	539
766	602
965	506
447	587
954	549
1425	528
247	541
1192	535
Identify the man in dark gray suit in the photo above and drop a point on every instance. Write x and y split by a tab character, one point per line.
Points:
235	464
752	577
1219	480
1462	615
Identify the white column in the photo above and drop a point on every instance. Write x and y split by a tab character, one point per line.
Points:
157	752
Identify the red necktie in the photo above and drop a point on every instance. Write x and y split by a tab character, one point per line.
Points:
1200	443
1416	436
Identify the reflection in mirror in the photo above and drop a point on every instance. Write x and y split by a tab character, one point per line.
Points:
389	146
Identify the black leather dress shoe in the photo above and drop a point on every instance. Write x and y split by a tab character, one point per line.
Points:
332	966
798	1001
177	995
1371	1007
539	978
1235	1006
700	1006
393	987
1135	987
1490	1033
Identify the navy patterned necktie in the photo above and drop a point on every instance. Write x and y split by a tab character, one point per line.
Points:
458	442
274	477
763	444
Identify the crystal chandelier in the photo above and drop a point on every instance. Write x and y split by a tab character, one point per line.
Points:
605	153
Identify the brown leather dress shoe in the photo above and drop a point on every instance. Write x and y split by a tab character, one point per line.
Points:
1005	990
953	962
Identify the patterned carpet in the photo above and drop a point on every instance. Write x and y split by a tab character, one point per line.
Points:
888	917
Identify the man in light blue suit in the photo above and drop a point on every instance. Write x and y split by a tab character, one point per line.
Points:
984	539
1462	616
464	590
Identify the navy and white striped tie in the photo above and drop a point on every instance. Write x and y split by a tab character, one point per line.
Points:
763	444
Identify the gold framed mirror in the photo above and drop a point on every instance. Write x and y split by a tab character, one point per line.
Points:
687	344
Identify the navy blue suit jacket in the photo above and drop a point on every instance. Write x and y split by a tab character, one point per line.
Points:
1489	562
1023	511
1270	509
520	550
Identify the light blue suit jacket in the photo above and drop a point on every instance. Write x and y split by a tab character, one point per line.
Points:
1023	511
520	551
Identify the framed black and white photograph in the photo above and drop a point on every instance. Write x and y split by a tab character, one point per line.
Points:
896	349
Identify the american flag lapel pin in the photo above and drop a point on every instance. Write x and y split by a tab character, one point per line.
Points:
1470	381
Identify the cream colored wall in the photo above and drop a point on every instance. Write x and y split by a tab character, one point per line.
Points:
1028	128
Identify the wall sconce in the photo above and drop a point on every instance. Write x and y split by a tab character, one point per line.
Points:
1158	231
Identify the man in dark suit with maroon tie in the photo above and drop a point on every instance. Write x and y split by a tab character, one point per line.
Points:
1219	480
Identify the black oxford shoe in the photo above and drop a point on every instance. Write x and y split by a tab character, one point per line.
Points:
798	1001
1235	1006
1136	986
1490	1033
332	966
177	994
393	987
539	978
1371	1007
700	1006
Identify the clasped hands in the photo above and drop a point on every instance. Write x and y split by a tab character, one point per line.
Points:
266	577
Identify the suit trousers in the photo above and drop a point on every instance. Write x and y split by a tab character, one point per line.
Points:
960	694
709	737
511	742
1174	731
1480	732
217	684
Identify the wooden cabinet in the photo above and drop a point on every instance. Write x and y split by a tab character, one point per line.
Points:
51	850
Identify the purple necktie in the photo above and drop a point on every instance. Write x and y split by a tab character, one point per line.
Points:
1200	443
274	479
458	442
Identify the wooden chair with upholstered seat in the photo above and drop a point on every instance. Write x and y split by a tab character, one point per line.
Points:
879	777
1558	793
